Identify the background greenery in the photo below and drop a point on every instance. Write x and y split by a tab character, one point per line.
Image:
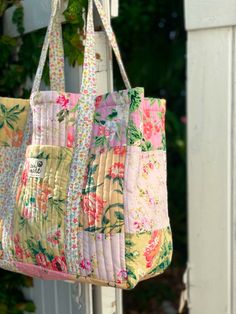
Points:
152	40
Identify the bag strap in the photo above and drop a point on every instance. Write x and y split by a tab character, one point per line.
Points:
56	56
56	53
53	39
113	42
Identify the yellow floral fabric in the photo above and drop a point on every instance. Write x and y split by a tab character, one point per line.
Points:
13	117
38	236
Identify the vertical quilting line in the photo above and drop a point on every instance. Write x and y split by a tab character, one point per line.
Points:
105	193
60	125
126	204
48	122
111	201
62	128
55	211
49	182
99	178
99	236
55	130
59	165
56	110
66	161
46	104
43	184
115	244
113	198
64	186
108	192
52	123
59	181
44	123
47	109
50	110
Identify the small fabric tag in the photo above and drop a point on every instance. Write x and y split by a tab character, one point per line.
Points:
37	168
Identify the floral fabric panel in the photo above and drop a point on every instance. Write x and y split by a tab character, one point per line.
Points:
103	201
53	118
13	117
147	254
112	117
145	191
102	256
154	111
10	160
38	229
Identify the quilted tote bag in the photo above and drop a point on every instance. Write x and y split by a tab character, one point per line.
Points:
91	204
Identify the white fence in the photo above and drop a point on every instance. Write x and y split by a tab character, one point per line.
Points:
211	155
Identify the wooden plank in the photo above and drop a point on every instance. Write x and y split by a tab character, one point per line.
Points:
33	9
210	64
233	234
108	301
209	13
114	8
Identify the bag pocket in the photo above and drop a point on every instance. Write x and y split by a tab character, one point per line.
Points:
38	234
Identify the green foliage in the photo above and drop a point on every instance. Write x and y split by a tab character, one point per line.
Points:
18	18
19	57
12	300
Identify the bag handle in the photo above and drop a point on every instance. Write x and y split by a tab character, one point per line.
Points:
56	52
113	42
53	39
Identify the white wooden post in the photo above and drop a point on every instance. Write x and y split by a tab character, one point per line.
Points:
57	297
211	88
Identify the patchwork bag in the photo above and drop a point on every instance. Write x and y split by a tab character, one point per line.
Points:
91	197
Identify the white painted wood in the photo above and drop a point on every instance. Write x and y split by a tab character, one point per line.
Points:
33	9
209	13
108	301
211	55
114	8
